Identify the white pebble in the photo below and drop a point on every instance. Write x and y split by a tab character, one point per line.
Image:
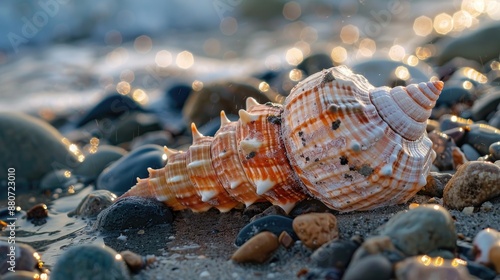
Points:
122	237
468	210
205	274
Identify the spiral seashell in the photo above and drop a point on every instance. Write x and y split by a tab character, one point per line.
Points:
336	138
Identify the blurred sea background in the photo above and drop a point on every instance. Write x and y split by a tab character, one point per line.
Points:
62	56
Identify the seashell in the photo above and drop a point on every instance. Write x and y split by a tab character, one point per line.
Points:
336	137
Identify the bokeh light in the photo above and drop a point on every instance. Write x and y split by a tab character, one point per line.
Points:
264	87
295	75
197	85
367	47
412	60
473	7
402	73
140	96
461	20
184	60
349	34
443	23
339	54
294	56
123	87
143	44
163	58
422	26
228	26
292	10
397	52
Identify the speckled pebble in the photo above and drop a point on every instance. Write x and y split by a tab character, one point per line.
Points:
90	262
335	254
374	267
474	183
274	223
421	230
425	267
257	249
121	175
93	203
435	184
316	229
133	212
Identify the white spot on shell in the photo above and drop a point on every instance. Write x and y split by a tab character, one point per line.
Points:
386	170
235	183
198	163
287	207
207	195
422	180
263	186
176	179
250	145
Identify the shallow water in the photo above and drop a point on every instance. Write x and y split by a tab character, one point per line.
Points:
48	78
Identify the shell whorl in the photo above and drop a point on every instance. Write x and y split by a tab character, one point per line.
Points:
336	138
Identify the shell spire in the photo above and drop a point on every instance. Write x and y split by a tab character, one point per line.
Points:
406	109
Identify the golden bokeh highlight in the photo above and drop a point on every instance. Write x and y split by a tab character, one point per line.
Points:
184	60
339	54
474	7
422	26
493	9
443	23
127	75
397	52
264	87
412	60
402	73
143	44
228	26
461	20
349	34
424	52
67	173
367	47
292	10
467	85
294	56
163	58
295	75
197	85
140	96
123	88
475	75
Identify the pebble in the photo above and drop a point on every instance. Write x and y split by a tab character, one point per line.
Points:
470	152
273	223
271	210
93	203
25	259
230	96
477	45
57	179
481	136
485	105
379	72
453	92
129	126
286	240
95	163
378	245
474	183
480	271
160	138
90	262
435	184
421	230
374	267
177	95
442	144
335	254
133	212
42	149
37	212
136	262
111	106
486	248
257	249
316	229
494	150
122	174
315	63
425	267
486	207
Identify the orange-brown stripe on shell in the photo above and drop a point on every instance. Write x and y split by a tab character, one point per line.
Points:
202	174
227	165
263	156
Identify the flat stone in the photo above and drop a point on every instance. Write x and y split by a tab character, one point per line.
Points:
257	249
